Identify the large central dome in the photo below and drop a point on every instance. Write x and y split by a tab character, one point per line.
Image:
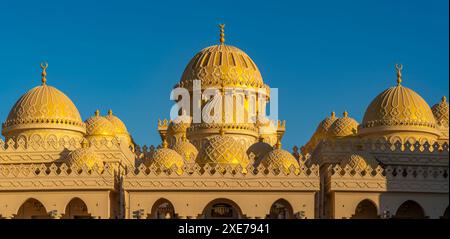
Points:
222	65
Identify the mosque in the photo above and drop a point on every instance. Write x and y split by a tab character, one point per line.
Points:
393	164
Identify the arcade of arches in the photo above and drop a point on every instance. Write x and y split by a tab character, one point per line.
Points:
391	164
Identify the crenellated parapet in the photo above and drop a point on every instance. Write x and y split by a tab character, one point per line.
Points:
223	177
51	150
386	152
19	177
388	179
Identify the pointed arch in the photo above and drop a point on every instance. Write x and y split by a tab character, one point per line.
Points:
76	209
162	209
366	209
281	209
222	208
32	209
410	210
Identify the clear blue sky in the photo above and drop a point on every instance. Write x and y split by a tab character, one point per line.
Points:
127	55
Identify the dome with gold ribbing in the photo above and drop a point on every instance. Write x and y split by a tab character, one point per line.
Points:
99	126
222	64
84	156
167	158
223	150
399	111
187	150
44	109
342	127
280	158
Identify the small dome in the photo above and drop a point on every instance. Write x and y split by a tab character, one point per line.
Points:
84	156
325	125
99	126
259	149
43	107
320	133
119	126
359	161
165	157
282	158
223	149
398	109
186	149
342	127
440	112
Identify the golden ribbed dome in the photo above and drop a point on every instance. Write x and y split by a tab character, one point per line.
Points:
398	109
440	112
99	126
186	149
359	161
119	126
43	107
320	133
84	156
325	124
222	65
259	149
344	126
165	157
223	149
281	158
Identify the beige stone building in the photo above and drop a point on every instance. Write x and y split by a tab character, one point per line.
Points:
394	164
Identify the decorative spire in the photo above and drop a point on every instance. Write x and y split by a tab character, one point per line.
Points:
345	114
278	144
165	144
97	112
110	112
333	114
399	68
444	99
222	33
44	66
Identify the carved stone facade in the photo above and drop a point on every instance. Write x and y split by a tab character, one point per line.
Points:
392	165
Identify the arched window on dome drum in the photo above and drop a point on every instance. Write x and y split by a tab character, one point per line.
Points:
76	209
163	209
281	209
222	209
32	209
410	210
366	209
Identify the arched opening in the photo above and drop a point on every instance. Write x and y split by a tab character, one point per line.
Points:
445	216
32	209
281	209
366	209
76	209
410	210
222	209
162	209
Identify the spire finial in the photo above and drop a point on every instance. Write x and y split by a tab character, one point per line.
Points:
110	112
44	66
97	112
222	33
333	114
399	68
444	98
345	114
165	144
278	144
